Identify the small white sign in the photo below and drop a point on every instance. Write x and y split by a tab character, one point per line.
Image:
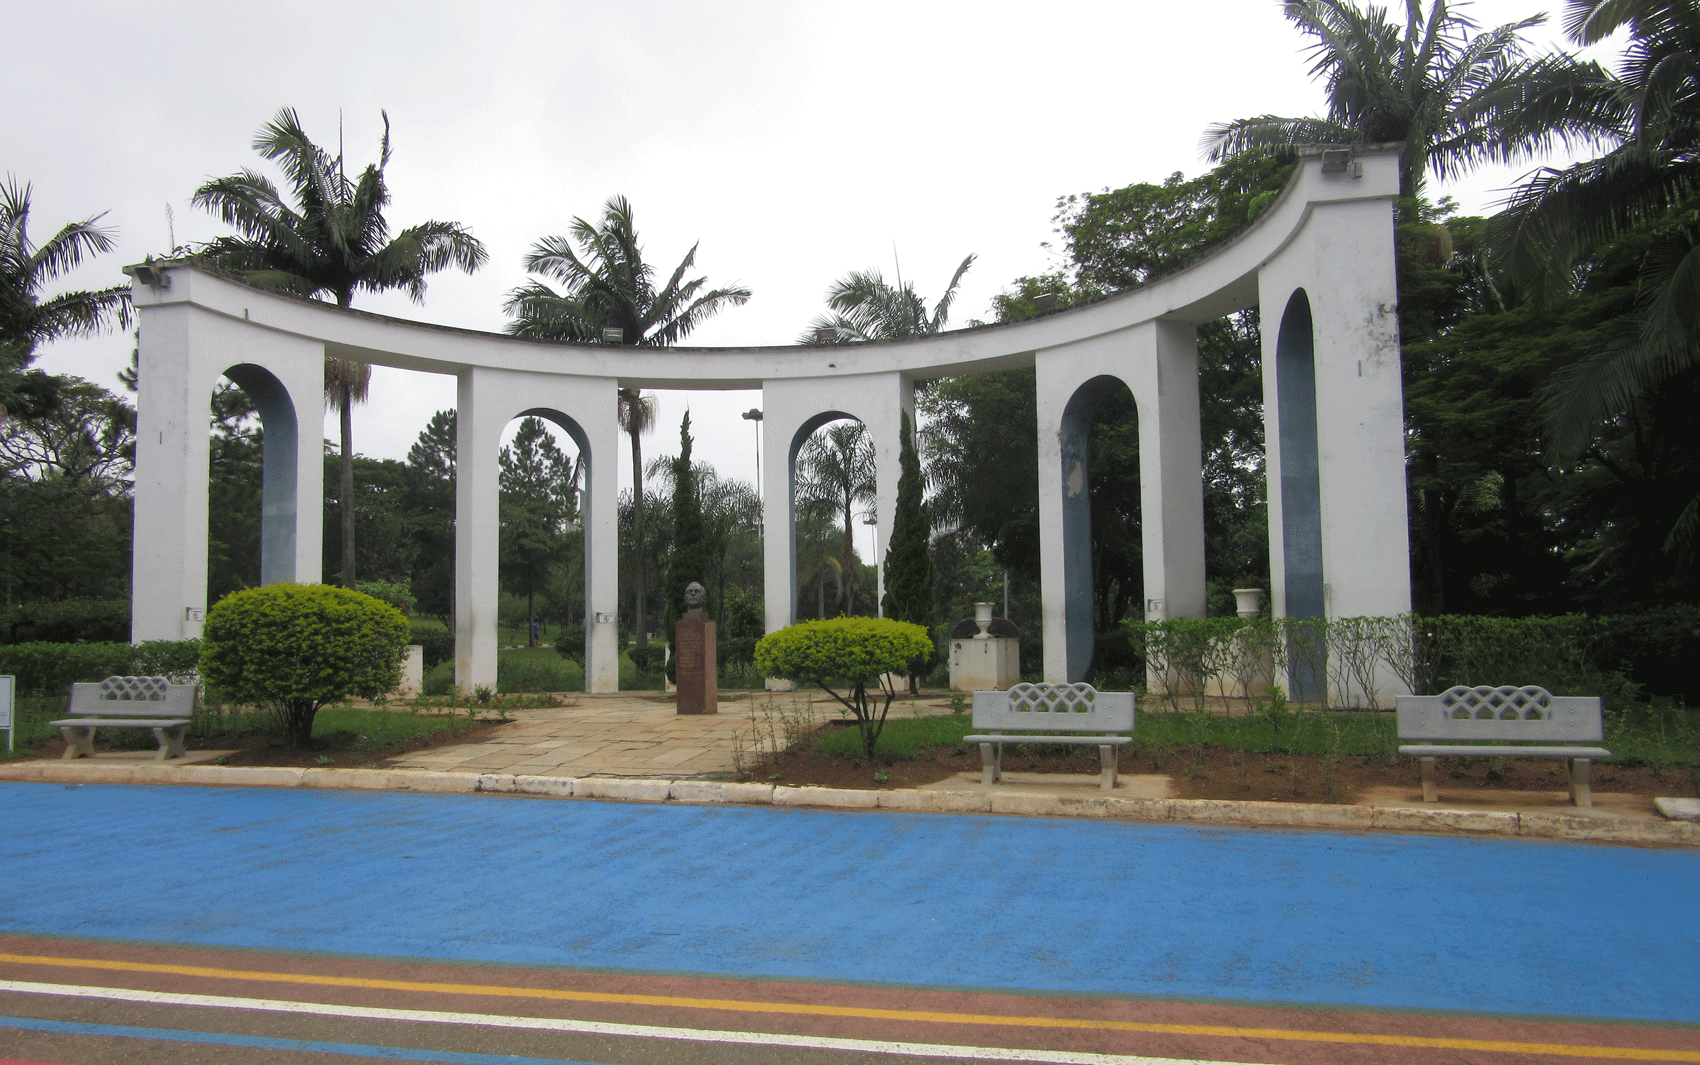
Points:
6	685
1153	605
604	618
195	613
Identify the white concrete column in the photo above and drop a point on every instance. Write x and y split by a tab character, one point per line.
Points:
601	533
1054	383
169	552
587	409
780	421
1342	260
1157	361
1171	471
790	411
478	431
184	349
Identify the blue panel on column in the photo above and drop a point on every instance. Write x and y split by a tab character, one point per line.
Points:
277	493
1077	520
1301	491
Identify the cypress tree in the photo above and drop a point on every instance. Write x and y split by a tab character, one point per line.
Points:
691	558
909	556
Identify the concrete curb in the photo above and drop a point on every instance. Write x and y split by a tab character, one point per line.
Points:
1543	825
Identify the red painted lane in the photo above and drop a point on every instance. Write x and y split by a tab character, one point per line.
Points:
919	1015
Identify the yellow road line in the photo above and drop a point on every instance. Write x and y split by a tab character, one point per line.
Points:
744	1006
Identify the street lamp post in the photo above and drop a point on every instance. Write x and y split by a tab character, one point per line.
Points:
754	415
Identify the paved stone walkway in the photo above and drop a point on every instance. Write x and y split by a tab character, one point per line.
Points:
640	734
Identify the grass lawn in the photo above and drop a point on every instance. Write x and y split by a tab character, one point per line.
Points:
384	728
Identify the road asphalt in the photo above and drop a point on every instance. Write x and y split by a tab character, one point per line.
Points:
144	923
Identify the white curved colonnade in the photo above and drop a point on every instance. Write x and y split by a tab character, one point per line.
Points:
1320	263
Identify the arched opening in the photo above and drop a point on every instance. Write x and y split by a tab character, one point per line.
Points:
1301	490
1103	556
833	491
251	534
544	556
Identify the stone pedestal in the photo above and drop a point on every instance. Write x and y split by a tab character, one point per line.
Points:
990	664
698	677
412	672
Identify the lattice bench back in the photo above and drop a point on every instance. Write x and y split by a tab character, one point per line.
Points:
1503	713
1054	708
141	697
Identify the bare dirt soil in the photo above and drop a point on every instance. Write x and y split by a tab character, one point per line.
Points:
1217	773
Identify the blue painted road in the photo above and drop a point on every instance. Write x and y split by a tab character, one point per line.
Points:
1075	907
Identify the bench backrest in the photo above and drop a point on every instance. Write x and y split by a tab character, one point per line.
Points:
133	697
1054	708
1503	713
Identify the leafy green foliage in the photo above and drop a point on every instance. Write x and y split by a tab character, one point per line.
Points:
428	501
435	638
64	496
51	668
538	503
292	648
1454	98
607	284
334	239
26	319
850	651
66	621
866	307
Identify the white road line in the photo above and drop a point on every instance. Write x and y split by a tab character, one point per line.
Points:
554	1024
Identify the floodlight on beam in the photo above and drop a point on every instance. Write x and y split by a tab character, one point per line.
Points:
1340	161
613	335
150	275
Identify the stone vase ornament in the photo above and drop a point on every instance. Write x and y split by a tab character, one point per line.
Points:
1248	602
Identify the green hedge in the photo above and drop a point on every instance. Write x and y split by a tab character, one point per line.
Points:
1614	657
67	621
439	643
51	668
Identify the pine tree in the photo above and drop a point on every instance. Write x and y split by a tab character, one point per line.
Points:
909	558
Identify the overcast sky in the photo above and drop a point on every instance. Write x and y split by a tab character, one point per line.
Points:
795	141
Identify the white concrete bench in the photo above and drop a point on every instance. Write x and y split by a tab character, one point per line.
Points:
128	702
1052	709
1464	720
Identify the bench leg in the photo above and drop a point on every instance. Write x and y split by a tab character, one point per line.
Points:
170	742
1428	779
1579	793
79	741
1106	767
991	763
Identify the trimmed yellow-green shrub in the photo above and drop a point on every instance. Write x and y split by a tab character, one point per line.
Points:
855	652
292	648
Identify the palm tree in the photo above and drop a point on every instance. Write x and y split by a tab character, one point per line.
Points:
636	414
1456	98
26	320
836	474
1561	217
866	307
332	241
607	286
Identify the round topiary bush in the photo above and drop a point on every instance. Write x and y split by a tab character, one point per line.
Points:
293	648
856	652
